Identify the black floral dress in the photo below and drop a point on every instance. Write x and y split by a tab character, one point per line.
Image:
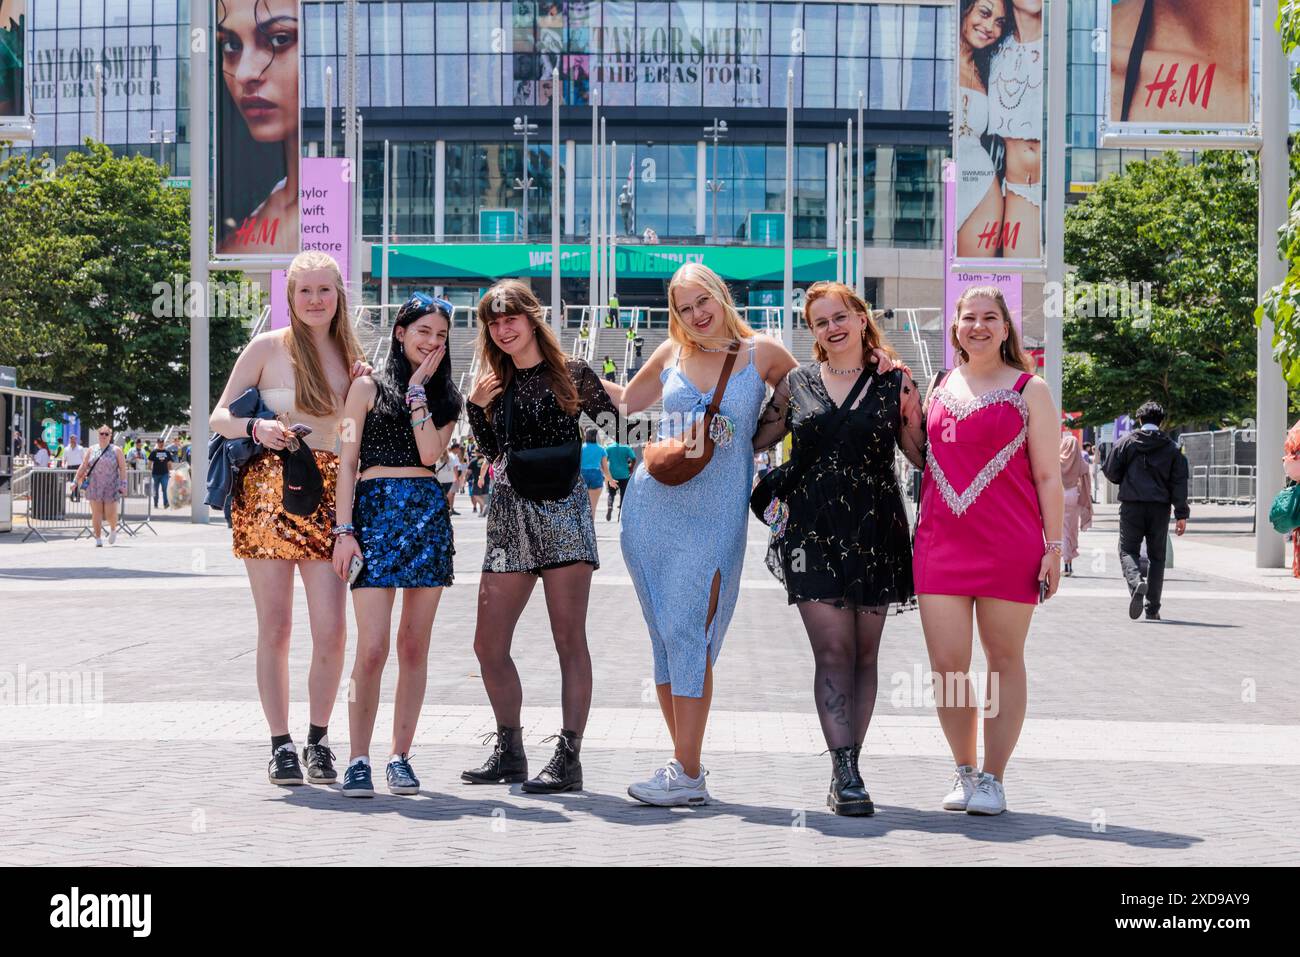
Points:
847	541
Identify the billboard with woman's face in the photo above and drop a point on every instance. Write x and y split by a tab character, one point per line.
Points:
1179	64
15	104
257	127
998	130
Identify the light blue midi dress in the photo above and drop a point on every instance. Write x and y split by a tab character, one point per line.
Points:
676	538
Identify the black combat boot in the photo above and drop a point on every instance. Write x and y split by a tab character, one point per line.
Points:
564	771
506	765
848	795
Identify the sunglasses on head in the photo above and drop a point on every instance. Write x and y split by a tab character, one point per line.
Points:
421	304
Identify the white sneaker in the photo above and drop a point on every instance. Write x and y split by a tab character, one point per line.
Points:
988	798
112	537
99	543
964	782
670	787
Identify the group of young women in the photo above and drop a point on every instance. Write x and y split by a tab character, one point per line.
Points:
988	440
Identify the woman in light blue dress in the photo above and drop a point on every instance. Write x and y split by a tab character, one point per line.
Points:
684	545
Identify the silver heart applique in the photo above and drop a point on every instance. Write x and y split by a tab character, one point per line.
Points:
961	409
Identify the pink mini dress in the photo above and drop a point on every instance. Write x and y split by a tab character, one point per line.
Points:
980	531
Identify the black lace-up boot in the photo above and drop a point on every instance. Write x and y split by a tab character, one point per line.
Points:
564	771
848	795
507	764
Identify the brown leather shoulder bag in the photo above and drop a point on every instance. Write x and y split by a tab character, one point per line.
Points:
678	460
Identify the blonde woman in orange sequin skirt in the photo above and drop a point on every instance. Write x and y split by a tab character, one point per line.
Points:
302	374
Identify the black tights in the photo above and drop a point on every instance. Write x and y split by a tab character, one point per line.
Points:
845	644
502	597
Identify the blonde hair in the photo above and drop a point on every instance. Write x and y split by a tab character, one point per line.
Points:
872	337
1013	353
311	386
510	297
733	326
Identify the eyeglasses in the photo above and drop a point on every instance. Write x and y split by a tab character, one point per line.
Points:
105	433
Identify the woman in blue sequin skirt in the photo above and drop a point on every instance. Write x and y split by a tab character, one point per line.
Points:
396	425
684	545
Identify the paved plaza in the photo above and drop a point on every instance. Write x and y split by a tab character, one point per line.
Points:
1171	743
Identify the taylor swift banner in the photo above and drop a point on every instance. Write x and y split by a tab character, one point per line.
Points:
257	127
1179	65
998	131
15	99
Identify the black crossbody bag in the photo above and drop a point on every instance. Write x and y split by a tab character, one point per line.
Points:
778	482
541	475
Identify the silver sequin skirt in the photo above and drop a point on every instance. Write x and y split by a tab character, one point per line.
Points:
528	536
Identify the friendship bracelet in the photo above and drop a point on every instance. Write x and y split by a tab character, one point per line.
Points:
419	422
346	528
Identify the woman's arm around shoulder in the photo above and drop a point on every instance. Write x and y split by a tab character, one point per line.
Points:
772	360
911	423
646	386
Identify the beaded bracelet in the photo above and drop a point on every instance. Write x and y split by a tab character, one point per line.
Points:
345	529
419	422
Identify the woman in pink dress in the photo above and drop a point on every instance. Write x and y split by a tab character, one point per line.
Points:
992	487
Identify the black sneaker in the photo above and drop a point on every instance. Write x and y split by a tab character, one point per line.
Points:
1135	600
1153	616
320	764
284	768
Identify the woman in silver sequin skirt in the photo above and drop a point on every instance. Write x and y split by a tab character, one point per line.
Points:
526	405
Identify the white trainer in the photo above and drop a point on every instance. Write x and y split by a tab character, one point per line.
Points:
989	798
112	537
99	543
964	782
670	787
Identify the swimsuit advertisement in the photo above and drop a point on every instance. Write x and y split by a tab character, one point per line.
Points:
998	130
257	127
1178	65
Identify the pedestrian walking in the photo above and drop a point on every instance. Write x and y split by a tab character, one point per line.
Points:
72	455
840	534
595	467
41	458
394	518
1151	472
160	466
1291	464
987	545
524	414
102	477
1076	479
283	505
620	459
609	369
683	539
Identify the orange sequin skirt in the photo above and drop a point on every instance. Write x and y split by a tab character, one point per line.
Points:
260	526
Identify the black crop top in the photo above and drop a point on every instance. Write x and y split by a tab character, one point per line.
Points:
539	421
391	442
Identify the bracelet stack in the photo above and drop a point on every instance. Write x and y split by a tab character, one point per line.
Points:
415	397
347	528
1057	547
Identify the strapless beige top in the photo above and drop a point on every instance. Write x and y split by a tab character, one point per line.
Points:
324	431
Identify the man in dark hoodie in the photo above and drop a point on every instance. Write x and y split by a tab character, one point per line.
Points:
1151	473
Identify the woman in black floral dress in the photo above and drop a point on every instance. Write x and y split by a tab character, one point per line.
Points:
844	554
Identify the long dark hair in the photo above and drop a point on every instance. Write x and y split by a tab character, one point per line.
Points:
445	400
984	58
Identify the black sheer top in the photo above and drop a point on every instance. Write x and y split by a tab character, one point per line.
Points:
539	421
390	441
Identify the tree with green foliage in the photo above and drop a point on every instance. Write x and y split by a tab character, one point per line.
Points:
1188	229
1282	303
90	255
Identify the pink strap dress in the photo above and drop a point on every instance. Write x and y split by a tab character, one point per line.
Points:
980	531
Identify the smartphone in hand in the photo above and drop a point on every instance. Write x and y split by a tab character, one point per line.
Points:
300	430
1042	591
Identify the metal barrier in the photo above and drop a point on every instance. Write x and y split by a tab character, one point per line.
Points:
1222	484
53	504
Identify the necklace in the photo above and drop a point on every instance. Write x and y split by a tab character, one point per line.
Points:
834	371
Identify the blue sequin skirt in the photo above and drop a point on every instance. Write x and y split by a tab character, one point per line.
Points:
404	529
